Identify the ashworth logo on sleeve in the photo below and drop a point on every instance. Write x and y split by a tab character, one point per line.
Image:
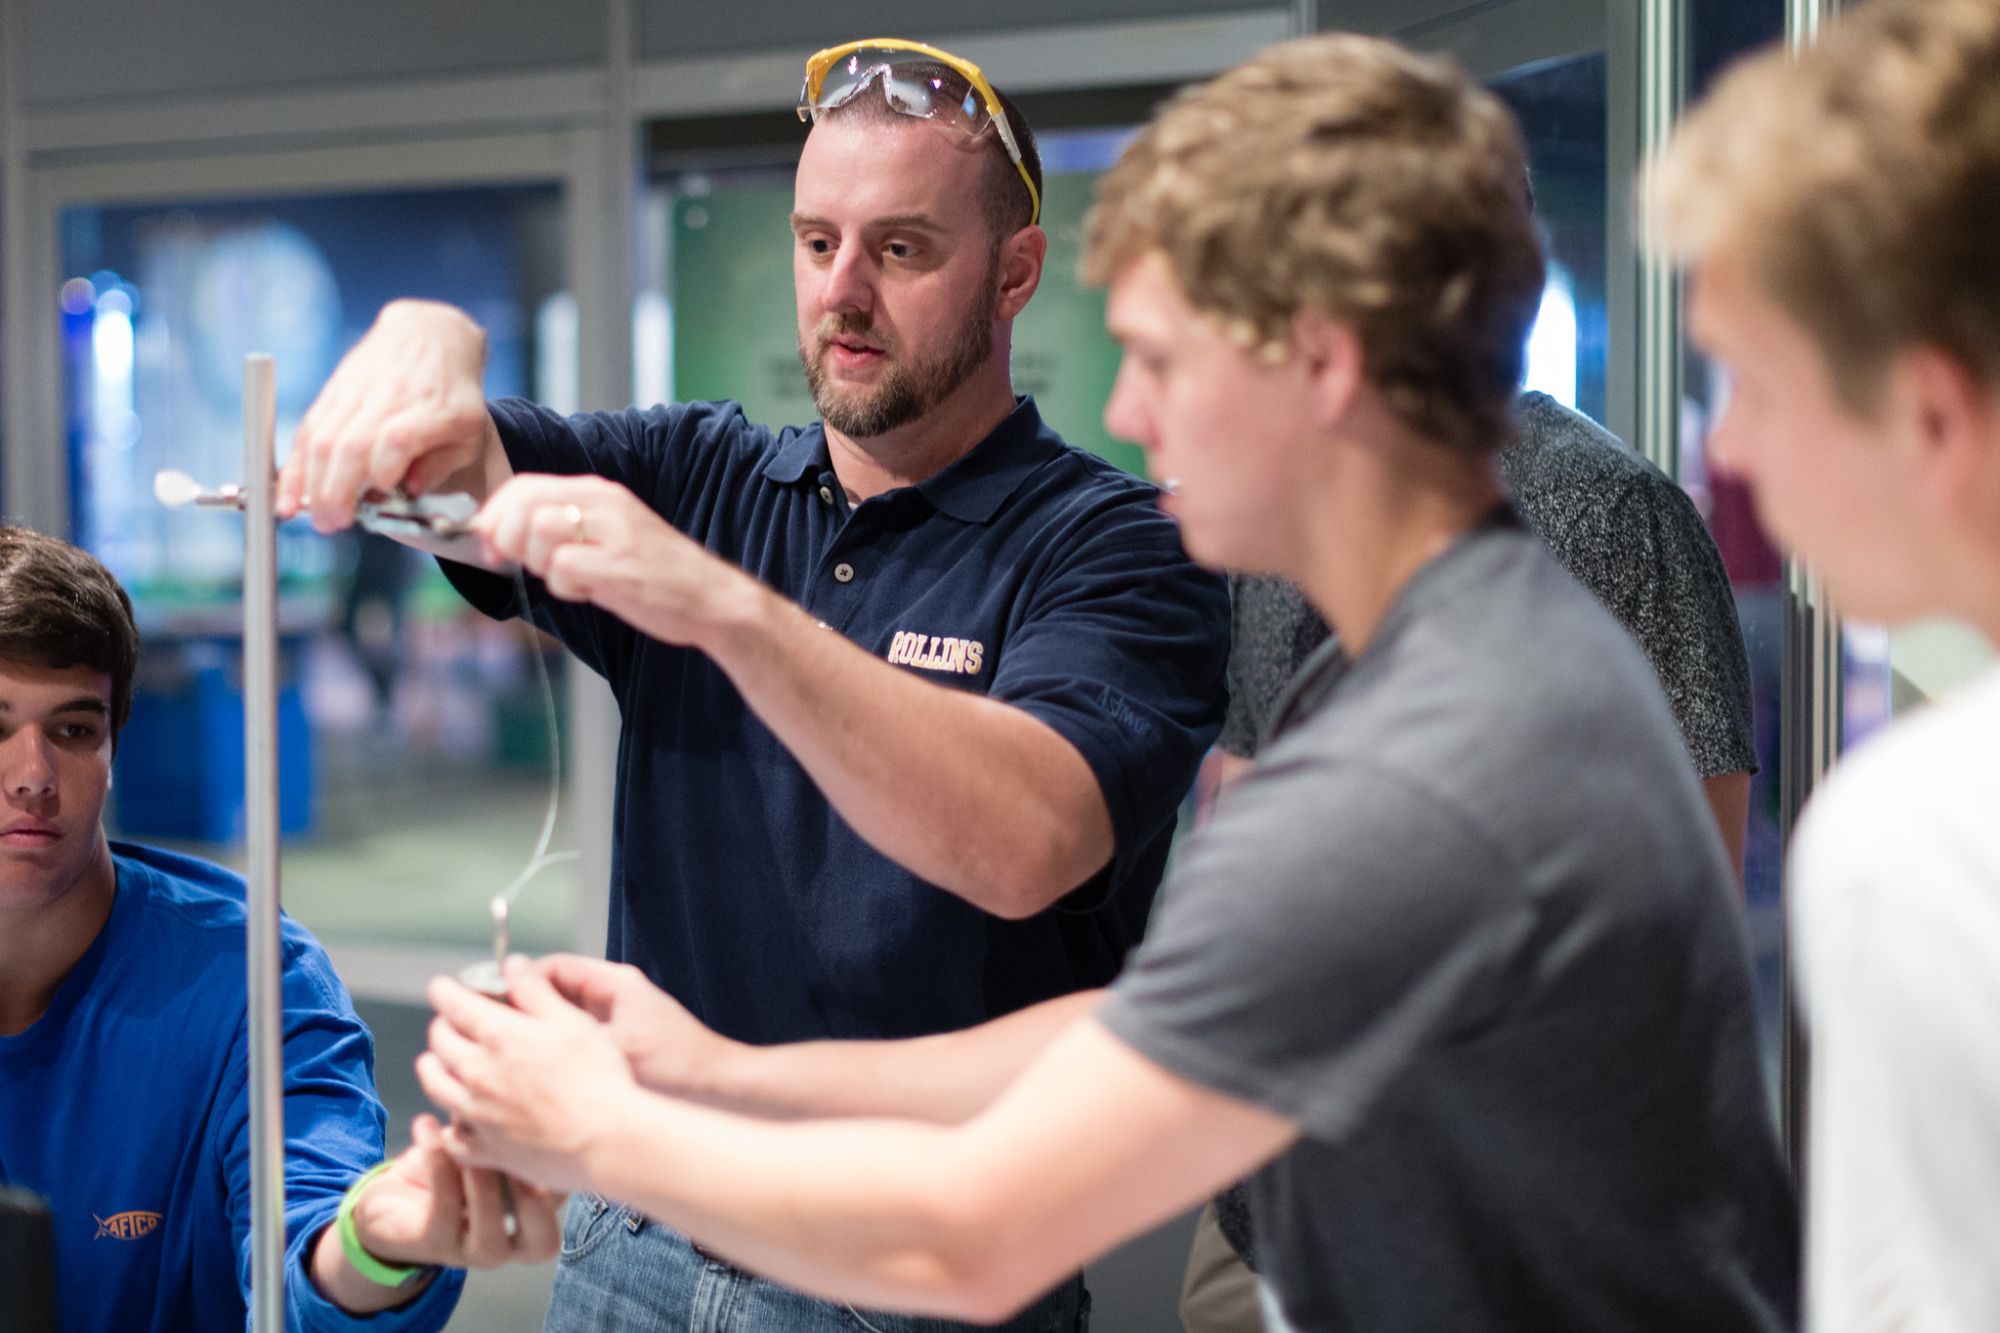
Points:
933	652
125	1226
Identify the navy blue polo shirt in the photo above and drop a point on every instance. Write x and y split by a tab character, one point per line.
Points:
1027	570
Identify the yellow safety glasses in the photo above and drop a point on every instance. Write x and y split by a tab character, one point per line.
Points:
917	80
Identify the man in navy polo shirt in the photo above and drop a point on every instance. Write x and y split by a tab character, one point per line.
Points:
910	695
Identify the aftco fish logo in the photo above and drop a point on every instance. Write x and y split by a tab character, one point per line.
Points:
125	1226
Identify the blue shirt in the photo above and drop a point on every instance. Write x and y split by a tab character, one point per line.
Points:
126	1107
1028	571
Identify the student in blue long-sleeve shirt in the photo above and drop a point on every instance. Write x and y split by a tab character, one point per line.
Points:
123	1044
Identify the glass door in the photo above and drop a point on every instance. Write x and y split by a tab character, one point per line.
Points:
415	739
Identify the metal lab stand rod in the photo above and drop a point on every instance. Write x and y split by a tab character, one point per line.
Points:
260	808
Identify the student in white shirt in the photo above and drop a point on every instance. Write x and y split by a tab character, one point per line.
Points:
1839	210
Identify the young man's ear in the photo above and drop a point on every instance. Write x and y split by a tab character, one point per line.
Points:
1329	353
1948	427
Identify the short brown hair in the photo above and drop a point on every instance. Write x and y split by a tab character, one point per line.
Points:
1859	183
1346	176
1003	195
60	607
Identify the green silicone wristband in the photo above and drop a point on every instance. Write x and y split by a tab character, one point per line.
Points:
364	1263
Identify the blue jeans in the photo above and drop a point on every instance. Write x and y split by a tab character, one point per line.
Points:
619	1271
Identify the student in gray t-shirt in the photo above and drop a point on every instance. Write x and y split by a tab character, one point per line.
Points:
1633	539
1497	978
1455	974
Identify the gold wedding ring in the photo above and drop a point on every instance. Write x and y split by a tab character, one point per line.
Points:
574	513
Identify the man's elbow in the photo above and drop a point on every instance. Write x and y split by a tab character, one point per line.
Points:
1028	878
988	1272
998	1297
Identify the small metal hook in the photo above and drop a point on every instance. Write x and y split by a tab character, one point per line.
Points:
393	514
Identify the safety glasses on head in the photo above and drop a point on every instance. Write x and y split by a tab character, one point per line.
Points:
916	80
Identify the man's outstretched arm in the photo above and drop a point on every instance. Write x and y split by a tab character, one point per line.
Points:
976	794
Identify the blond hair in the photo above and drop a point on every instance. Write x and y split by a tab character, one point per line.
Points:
1858	183
1347	177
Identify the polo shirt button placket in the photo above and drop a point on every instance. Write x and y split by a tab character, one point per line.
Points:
826	494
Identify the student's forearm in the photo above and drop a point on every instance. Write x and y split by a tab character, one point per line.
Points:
1088	1146
875	1212
336	1279
943	1079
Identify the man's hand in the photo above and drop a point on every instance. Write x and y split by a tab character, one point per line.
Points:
667	1047
403	408
591	540
528	1087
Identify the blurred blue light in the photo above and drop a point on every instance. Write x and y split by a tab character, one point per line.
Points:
77	296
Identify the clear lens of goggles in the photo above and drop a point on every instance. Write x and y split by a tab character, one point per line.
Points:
919	81
912	84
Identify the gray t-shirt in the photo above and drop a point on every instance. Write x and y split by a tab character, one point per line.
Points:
1622	528
1468	923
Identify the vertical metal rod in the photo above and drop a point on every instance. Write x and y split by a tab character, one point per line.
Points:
1803	19
260	809
1662	89
1811	723
1623	42
1810	729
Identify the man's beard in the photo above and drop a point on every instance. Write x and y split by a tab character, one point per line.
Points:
908	388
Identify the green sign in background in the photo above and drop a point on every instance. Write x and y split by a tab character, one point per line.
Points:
733	315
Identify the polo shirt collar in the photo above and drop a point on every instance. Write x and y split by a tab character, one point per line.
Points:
804	454
973	488
970	490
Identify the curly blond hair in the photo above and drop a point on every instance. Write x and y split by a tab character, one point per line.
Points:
1858	183
1349	177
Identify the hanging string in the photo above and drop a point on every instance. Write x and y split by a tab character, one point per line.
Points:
542	858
